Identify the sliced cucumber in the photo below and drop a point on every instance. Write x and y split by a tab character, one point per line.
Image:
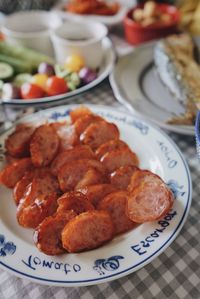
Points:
6	71
61	72
22	78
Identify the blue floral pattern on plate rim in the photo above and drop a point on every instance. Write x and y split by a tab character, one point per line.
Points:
120	272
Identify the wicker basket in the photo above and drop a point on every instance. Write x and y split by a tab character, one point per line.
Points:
10	6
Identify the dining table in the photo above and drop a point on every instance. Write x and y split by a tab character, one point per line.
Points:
175	273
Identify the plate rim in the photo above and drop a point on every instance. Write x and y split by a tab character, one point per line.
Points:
118	93
110	50
147	260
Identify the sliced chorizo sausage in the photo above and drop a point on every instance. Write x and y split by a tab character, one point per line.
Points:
75	201
115	204
150	200
44	145
12	173
95	193
71	173
78	152
118	158
87	231
79	112
83	122
121	177
33	214
98	133
17	144
47	235
109	146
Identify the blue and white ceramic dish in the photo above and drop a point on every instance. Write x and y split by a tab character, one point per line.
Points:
125	253
197	133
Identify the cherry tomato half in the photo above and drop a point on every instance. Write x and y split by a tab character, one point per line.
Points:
55	86
31	91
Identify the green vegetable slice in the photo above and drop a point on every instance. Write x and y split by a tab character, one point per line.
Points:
6	71
22	78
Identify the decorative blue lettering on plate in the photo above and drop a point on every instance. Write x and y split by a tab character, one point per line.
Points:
109	264
34	262
143	128
143	245
6	248
171	163
56	115
175	188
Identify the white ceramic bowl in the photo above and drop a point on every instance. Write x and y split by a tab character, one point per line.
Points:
31	29
84	39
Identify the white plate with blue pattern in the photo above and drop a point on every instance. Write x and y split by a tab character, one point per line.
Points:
125	253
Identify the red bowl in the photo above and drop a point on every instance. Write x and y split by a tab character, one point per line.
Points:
136	34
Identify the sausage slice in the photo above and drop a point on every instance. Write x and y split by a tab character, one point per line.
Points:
17	143
12	173
98	133
44	145
87	231
150	200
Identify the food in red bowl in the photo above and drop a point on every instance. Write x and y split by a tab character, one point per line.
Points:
150	21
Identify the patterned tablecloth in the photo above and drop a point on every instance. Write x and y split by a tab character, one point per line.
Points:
174	274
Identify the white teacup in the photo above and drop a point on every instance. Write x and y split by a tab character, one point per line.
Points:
31	29
84	39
